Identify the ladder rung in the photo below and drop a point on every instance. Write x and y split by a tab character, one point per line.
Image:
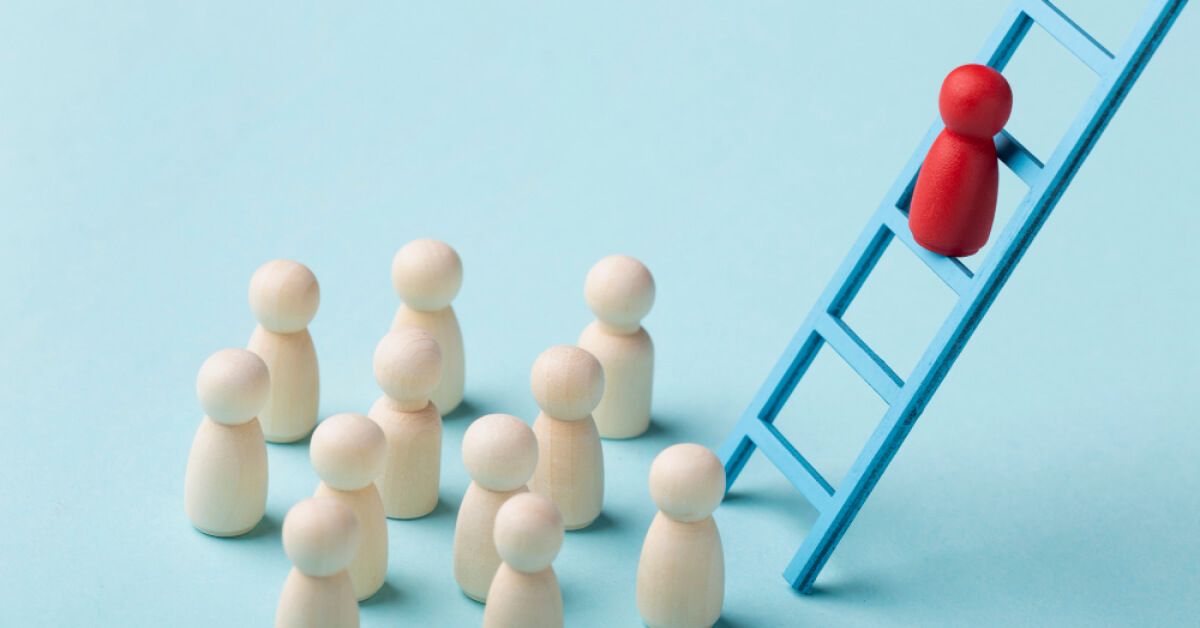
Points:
791	463
1018	158
860	357
1068	33
952	272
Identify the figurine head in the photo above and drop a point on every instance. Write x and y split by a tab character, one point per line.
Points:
500	452
427	274
321	536
528	532
687	482
233	385
284	296
567	382
347	451
620	292
975	101
408	365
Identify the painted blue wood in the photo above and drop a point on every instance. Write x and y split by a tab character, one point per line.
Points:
860	357
1071	36
784	456
976	291
1018	158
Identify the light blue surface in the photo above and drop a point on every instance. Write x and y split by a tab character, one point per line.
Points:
825	325
151	156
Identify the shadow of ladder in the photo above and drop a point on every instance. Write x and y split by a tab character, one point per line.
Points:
976	291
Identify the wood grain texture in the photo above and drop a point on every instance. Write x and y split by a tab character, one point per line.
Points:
620	291
321	537
284	296
524	600
368	569
225	486
443	326
525	592
499	452
408	366
291	410
347	452
628	362
681	571
681	574
412	473
317	602
570	468
567	383
427	275
475	556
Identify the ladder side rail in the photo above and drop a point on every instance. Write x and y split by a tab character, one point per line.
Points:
1012	245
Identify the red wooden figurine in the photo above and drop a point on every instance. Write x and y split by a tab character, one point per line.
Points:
954	201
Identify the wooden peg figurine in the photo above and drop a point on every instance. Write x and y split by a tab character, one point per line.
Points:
620	292
347	452
954	199
499	452
525	592
225	486
408	364
284	296
567	383
320	536
427	275
681	573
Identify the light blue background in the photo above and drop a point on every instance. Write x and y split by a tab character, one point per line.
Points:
153	154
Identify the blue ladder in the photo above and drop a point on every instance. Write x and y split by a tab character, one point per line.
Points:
976	291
